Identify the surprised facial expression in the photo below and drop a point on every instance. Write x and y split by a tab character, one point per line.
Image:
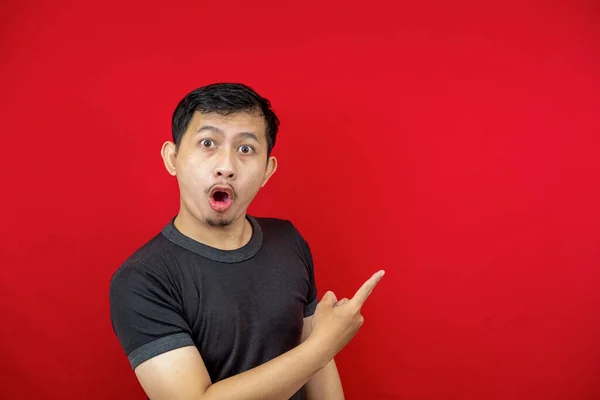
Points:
221	164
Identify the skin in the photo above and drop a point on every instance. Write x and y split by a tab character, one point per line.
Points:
219	150
232	150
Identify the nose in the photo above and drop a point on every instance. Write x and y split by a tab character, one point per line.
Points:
225	167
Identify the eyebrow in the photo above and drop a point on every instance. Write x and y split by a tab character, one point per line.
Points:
214	129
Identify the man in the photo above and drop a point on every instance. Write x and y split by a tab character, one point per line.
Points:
220	304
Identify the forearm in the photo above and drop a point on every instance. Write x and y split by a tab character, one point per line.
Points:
277	379
325	384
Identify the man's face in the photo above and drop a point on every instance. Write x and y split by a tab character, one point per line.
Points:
221	164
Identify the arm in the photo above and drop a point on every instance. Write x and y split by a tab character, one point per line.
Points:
325	384
143	311
181	375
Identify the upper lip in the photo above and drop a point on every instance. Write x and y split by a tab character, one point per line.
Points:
222	188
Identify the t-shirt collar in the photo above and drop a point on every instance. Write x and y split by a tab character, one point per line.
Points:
245	252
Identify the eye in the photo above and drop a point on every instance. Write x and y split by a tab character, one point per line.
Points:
245	149
207	143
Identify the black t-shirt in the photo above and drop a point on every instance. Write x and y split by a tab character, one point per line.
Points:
240	308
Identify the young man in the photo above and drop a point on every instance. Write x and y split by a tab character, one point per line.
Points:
220	304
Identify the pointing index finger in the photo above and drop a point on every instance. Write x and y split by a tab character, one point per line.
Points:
365	290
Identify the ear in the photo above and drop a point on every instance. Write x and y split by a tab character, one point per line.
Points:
169	154
271	168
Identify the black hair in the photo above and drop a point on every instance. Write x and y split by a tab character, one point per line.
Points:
224	99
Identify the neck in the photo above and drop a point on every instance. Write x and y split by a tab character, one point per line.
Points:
231	237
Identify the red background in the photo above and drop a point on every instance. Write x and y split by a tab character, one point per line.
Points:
455	144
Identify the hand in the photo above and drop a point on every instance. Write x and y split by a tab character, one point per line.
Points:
335	322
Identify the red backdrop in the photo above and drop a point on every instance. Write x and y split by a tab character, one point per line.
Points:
455	144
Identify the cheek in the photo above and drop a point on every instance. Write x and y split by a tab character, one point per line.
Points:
255	181
192	176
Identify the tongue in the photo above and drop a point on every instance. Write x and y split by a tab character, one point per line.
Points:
220	203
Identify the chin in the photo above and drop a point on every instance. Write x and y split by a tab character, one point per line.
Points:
219	222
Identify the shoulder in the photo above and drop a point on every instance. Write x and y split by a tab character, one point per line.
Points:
146	264
278	228
274	224
283	232
152	252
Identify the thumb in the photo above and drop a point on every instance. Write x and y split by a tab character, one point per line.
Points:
329	298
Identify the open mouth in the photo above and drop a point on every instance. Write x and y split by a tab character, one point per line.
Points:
221	198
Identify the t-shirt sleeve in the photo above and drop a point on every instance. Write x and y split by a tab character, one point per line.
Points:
145	314
311	297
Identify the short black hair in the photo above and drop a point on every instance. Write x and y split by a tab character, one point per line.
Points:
224	98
